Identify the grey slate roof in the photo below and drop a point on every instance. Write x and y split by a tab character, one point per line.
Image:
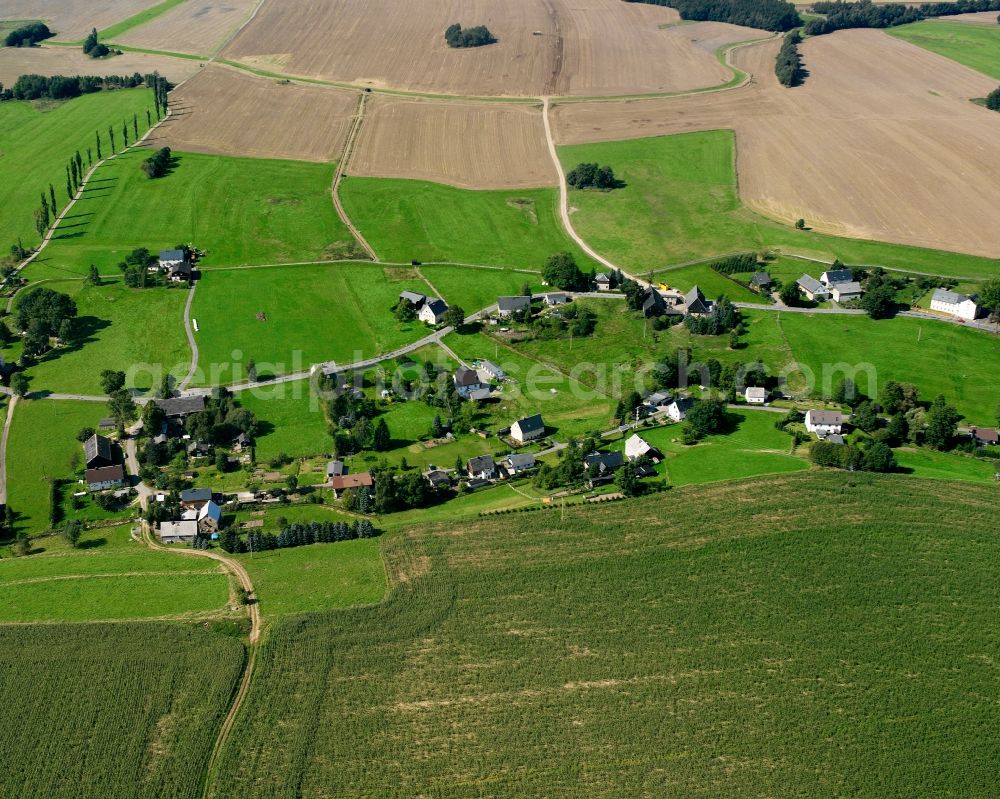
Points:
437	306
694	301
466	377
530	424
512	304
811	284
196	495
481	463
182	406
172	255
97	448
760	279
950	297
519	461
415	298
838	276
847	288
604	461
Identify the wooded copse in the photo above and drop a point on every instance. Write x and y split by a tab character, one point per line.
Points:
592	176
788	65
993	100
743	262
93	47
866	14
457	36
28	35
770	15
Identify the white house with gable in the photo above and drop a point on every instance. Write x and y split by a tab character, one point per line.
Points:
951	302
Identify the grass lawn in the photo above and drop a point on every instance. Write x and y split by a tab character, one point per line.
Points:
288	318
37	140
139	331
317	577
238	210
976	46
569	406
109	576
42	447
681	204
753	447
711	283
292	421
946	465
474	289
817	634
412	219
939	358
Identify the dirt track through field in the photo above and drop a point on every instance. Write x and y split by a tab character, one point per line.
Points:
905	158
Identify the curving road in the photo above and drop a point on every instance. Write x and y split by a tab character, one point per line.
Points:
190	337
339	174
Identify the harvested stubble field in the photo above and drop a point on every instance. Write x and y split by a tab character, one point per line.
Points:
71	20
590	47
222	112
17	61
91	711
646	649
472	146
853	156
197	26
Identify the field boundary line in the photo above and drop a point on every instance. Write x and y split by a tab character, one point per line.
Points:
3	448
193	367
338	176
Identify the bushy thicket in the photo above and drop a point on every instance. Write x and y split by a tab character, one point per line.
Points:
158	164
866	14
877	457
457	36
743	262
64	87
297	535
788	65
993	100
93	47
28	35
769	15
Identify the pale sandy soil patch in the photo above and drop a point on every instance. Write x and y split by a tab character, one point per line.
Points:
227	112
469	145
881	142
197	26
16	61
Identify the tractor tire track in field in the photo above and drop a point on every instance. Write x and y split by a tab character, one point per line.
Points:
191	342
352	137
552	82
253	611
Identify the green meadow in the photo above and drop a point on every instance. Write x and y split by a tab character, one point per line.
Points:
238	210
947	465
751	447
977	46
317	577
473	289
680	204
408	220
37	139
291	421
290	317
43	447
137	331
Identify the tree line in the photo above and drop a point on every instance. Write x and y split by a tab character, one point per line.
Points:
732	264
866	14
769	15
788	65
28	35
297	535
65	87
457	36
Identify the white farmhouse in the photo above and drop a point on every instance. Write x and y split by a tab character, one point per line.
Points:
678	409
754	395
528	429
951	302
432	311
845	292
636	447
182	532
824	423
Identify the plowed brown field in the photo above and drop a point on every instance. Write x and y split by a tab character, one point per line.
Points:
881	142
227	112
198	26
580	47
470	145
73	19
16	61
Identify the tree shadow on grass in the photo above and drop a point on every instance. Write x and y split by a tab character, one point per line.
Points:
92	543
